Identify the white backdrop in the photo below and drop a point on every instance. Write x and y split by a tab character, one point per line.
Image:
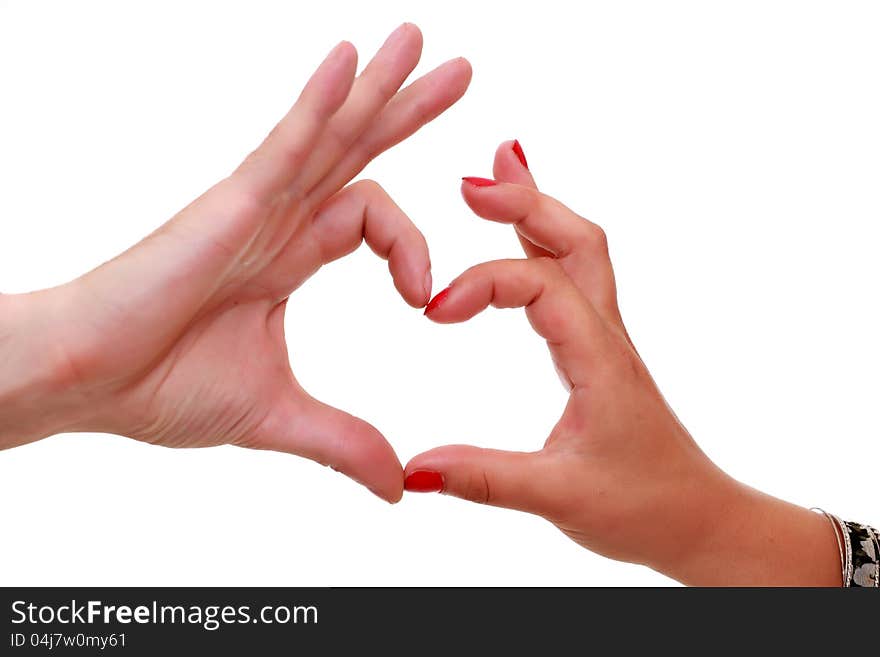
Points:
731	151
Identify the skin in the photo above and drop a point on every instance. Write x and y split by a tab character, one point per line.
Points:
618	474
180	342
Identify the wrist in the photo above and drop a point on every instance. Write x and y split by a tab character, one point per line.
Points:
742	537
37	390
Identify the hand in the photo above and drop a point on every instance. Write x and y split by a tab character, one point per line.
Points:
180	340
618	474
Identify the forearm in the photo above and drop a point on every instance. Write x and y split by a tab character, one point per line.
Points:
753	539
35	396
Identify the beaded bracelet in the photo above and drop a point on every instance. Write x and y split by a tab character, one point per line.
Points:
859	548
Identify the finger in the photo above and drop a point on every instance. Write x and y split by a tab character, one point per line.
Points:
364	212
555	308
580	245
282	154
412	107
334	438
371	91
511	166
541	218
525	481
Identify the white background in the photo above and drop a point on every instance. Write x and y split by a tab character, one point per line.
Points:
731	151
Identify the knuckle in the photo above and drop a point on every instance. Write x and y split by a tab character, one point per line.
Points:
478	271
592	236
421	112
370	188
242	198
339	139
238	199
540	203
386	87
533	207
366	149
294	156
476	488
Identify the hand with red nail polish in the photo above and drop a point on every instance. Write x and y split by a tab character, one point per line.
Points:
180	340
619	474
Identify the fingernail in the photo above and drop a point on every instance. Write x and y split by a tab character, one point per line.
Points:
436	301
424	481
479	182
429	284
518	151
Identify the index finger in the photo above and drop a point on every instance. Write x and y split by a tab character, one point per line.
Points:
542	219
554	306
363	211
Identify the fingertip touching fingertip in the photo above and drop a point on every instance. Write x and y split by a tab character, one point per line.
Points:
434	303
428	284
385	497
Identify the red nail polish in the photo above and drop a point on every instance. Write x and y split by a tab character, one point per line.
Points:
479	182
436	301
424	481
518	151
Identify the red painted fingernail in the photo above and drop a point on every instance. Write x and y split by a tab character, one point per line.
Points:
424	481
479	182
436	301
518	151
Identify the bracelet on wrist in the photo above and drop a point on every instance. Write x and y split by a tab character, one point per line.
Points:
859	549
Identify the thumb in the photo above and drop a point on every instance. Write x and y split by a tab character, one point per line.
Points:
514	480
335	438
